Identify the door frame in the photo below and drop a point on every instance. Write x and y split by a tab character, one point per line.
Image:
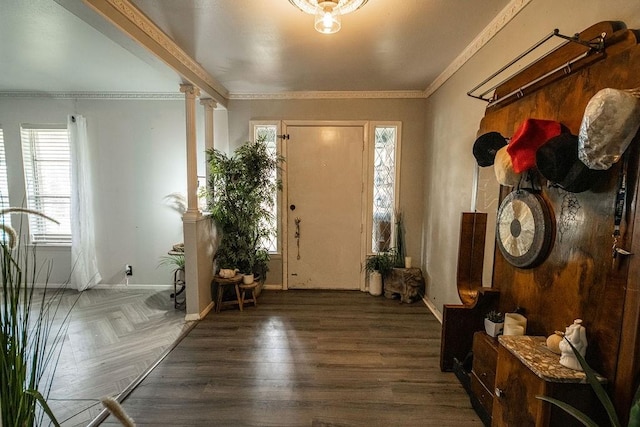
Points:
364	124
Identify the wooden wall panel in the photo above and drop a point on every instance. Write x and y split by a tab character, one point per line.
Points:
578	279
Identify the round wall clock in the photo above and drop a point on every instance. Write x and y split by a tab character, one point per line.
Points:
525	229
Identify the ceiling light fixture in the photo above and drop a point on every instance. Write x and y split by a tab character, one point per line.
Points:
328	12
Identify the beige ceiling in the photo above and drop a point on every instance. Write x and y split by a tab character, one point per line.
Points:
250	47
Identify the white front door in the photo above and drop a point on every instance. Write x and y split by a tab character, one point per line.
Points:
324	202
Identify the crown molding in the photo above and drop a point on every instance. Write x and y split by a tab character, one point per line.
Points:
497	24
404	94
127	17
93	95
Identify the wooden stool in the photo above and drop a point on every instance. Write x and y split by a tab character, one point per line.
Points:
222	282
243	293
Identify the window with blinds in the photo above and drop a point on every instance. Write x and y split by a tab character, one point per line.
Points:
4	187
47	166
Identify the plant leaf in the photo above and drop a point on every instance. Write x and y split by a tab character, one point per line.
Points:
38	396
634	413
575	413
592	379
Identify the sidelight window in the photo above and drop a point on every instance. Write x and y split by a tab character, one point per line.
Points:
267	133
385	149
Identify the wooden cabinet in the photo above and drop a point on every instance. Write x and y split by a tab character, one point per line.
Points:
526	369
483	374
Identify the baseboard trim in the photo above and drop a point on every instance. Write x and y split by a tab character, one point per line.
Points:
437	314
113	286
199	316
271	287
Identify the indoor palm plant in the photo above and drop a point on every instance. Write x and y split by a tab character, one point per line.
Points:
242	190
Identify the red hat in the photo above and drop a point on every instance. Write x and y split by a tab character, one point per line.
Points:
530	135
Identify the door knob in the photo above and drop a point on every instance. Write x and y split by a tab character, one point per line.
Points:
292	207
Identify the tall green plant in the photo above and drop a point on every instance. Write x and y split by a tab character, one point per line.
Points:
241	189
30	344
400	250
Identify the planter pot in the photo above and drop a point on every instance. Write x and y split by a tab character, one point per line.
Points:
375	283
247	279
493	329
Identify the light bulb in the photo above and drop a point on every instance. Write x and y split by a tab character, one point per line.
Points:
327	19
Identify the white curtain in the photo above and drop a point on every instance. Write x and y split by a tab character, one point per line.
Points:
84	273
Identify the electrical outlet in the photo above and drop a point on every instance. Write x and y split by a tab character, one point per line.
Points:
128	270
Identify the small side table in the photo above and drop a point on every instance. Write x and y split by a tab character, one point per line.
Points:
251	287
222	283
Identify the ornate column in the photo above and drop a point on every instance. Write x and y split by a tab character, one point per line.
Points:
198	237
190	94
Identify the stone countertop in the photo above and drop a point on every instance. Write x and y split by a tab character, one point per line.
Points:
533	352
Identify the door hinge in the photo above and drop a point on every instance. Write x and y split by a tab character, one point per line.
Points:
283	136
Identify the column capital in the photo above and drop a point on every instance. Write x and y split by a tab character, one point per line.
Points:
189	89
208	103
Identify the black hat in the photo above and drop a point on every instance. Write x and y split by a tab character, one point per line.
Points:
557	160
486	147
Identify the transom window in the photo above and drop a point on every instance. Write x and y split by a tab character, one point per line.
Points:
47	165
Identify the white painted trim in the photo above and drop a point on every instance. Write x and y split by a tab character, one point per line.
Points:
112	286
133	22
272	287
400	94
436	313
498	23
122	286
93	95
199	316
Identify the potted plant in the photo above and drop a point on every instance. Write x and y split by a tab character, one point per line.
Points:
378	266
241	191
494	323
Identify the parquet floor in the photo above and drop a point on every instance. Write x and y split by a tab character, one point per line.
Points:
113	336
306	358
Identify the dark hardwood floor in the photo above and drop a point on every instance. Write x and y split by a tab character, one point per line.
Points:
306	358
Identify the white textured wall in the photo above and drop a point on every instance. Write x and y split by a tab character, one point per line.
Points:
138	157
452	120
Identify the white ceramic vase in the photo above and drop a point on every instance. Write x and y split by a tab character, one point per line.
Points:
375	283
